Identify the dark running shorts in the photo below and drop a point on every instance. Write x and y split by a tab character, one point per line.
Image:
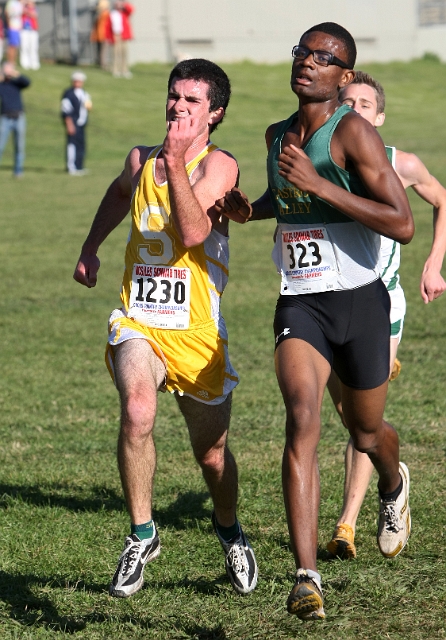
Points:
351	329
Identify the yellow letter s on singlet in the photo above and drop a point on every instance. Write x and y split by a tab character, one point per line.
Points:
159	246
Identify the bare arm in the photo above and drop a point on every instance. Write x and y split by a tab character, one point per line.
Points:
355	143
413	173
112	210
235	204
192	206
432	284
262	209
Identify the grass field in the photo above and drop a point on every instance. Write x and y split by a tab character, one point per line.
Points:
62	515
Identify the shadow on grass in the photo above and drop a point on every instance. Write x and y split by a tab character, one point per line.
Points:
62	495
284	543
203	633
34	611
324	555
29	609
185	511
201	585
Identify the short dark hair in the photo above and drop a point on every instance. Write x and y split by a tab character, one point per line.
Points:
219	91
338	32
361	77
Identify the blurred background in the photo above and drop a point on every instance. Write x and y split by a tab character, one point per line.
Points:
256	30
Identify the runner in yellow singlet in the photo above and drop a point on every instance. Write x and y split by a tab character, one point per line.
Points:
169	333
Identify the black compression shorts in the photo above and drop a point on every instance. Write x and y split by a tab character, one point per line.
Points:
351	329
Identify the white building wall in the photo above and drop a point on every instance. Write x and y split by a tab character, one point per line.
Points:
265	31
433	40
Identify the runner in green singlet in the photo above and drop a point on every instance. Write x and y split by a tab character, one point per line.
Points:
333	192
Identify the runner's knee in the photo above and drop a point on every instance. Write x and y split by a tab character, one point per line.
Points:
212	460
303	424
365	442
138	415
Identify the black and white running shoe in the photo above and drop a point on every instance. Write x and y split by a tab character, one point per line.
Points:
129	576
240	561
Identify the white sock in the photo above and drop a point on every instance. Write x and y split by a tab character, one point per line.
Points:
314	575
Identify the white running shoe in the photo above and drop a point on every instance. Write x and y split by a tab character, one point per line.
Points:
129	576
394	520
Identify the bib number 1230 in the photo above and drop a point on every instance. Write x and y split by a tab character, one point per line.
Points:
160	296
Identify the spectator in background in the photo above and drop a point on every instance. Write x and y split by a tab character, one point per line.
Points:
29	37
12	113
13	15
2	33
76	103
119	31
99	32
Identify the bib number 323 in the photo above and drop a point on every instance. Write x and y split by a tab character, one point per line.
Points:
308	261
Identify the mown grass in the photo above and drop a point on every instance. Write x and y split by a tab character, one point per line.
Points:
62	515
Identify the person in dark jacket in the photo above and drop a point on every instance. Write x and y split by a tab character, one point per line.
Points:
12	113
76	103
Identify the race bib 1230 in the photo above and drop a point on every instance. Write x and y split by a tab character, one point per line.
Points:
160	296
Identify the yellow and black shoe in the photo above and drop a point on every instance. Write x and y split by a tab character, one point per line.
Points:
305	600
396	370
342	544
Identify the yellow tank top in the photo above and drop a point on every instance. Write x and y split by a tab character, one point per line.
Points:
166	285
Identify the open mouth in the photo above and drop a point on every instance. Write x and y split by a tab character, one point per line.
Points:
302	79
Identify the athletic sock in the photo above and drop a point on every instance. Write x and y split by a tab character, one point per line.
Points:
315	576
144	531
391	497
227	533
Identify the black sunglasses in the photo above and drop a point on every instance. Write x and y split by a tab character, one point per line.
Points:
323	58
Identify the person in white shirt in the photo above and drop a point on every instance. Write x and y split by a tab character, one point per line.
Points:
29	37
75	105
120	32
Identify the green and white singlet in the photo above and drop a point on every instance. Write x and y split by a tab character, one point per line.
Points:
318	248
389	261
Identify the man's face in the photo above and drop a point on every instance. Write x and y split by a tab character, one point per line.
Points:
362	98
189	99
8	69
314	81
